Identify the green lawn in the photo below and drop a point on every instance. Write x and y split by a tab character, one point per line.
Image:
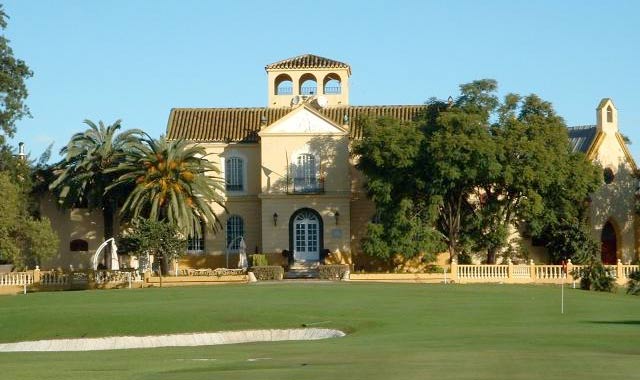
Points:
395	331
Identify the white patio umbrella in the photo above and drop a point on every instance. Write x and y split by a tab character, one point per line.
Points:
242	255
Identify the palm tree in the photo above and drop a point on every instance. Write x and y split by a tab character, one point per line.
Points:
174	182
83	175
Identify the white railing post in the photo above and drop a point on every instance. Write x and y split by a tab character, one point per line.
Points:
532	270
620	270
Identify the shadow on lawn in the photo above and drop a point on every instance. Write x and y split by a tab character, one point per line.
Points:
615	322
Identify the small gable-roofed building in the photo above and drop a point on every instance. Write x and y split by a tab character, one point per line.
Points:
612	214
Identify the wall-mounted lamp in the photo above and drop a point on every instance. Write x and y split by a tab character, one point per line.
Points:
337	216
275	218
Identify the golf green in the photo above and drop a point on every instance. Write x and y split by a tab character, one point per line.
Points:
394	331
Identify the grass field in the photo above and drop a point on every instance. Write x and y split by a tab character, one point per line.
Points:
395	331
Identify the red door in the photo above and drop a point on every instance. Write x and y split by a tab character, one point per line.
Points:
609	247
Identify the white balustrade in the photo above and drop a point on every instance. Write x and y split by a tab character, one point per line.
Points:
628	269
483	271
53	279
16	279
521	271
549	271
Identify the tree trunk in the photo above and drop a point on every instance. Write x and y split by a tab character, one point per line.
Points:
492	253
107	218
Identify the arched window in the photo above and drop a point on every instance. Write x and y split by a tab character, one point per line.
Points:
609	114
306	174
235	229
308	85
78	245
332	84
609	244
234	174
609	176
283	85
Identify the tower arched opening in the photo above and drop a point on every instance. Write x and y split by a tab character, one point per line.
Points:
283	85
332	84
308	84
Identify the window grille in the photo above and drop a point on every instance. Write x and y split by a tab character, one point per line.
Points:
234	174
195	245
235	229
306	177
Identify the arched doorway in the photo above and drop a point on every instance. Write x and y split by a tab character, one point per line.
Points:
305	235
609	244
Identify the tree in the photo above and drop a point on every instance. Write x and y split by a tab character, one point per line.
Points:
24	240
486	166
172	181
83	176
540	181
12	85
459	158
387	156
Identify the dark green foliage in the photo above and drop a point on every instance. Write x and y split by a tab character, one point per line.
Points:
633	286
12	85
153	237
268	273
571	241
333	272
24	240
595	276
388	156
466	171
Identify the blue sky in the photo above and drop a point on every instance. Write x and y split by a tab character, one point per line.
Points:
135	60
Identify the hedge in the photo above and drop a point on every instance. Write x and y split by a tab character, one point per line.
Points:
268	272
333	272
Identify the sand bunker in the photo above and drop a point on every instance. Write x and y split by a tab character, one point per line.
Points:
174	340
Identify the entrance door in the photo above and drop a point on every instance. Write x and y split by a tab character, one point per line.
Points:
306	230
609	245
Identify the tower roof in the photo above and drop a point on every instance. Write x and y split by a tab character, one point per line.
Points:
308	61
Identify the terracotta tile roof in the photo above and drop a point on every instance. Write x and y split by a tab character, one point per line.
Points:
581	137
243	124
307	61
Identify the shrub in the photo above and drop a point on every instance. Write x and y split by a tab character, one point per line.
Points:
595	277
633	286
268	272
259	260
333	271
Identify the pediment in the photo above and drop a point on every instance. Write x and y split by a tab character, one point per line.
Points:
303	121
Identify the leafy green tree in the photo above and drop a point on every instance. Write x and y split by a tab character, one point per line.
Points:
83	176
484	165
459	158
540	180
387	156
158	238
172	181
24	240
12	85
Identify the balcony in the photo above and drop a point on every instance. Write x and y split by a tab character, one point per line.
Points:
300	185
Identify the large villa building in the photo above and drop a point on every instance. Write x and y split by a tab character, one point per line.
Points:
292	187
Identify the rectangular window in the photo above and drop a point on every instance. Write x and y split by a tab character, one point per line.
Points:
234	173
306	175
235	230
195	245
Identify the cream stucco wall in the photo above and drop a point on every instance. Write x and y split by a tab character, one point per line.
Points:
78	223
